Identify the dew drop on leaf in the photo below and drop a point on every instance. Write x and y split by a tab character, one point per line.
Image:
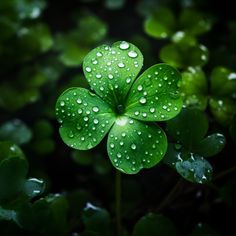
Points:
124	45
132	54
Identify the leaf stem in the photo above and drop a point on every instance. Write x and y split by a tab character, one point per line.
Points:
225	172
118	203
170	195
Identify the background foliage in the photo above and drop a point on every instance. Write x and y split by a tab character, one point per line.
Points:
47	188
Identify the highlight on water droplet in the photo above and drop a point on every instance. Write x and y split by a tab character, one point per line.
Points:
124	45
132	54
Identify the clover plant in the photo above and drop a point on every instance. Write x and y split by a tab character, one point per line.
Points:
221	95
122	106
187	154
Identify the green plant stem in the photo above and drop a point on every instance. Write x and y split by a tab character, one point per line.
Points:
225	172
118	203
170	195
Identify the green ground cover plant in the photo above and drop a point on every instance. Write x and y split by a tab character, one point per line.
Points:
117	118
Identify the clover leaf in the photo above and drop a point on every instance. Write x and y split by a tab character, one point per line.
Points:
187	154
120	105
221	96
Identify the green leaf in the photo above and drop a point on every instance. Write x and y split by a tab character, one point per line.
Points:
133	145
36	38
13	169
46	216
189	127
96	220
16	131
114	5
94	29
29	9
154	96
223	82
194	88
223	109
173	154
181	56
6	214
83	158
154	225
34	187
194	168
110	71
71	53
211	145
194	22
13	99
183	39
160	24
85	118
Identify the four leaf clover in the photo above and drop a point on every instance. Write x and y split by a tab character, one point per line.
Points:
120	105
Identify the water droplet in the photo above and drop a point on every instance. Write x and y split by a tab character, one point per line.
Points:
131	121
128	80
71	134
164	107
132	54
152	110
79	101
95	109
121	65
62	103
144	114
136	113
162	116
133	146
101	88
95	62
112	145
78	127
80	111
142	100
99	54
86	118
115	160
119	155
95	121
110	76
124	45
98	76
140	88
121	143
82	138
88	69
123	134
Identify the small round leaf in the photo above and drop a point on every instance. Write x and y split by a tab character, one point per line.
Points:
110	71
133	145
154	96
189	127
194	168
85	118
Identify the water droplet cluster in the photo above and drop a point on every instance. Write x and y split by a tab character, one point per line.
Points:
83	123
110	70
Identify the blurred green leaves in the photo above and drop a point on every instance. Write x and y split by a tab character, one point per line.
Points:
76	44
154	225
221	96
